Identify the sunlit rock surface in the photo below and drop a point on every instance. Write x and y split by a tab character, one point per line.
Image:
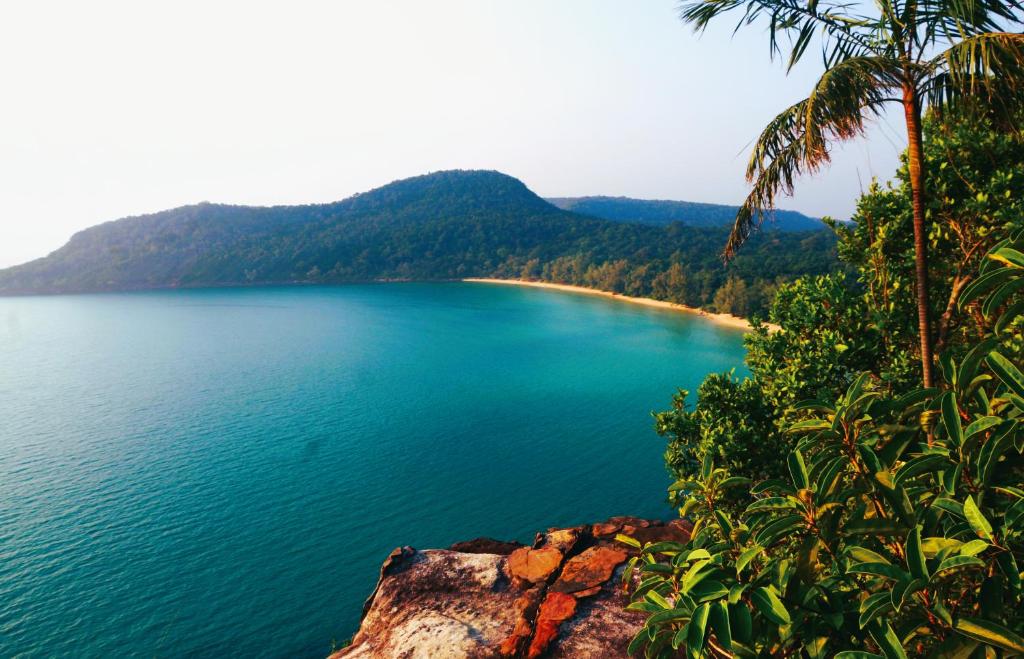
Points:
560	597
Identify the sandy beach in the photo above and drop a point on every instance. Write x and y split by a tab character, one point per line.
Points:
719	318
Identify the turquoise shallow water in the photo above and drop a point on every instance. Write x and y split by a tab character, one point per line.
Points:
220	472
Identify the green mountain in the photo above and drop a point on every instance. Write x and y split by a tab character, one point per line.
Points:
444	225
662	212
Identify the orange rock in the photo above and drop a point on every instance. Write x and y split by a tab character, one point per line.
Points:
525	606
675	531
588	592
562	539
556	609
592	568
546	632
606	530
534	565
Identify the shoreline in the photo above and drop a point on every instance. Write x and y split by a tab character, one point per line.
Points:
727	320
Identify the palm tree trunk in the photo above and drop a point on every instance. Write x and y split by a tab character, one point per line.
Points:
915	159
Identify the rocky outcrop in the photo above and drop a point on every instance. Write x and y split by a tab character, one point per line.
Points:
560	597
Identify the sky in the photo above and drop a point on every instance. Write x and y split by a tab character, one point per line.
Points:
112	109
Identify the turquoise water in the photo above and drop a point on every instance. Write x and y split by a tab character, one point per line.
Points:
220	472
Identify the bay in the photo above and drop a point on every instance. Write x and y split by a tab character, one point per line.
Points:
221	472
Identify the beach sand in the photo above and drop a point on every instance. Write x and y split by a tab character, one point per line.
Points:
719	318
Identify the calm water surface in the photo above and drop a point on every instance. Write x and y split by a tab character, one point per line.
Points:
220	472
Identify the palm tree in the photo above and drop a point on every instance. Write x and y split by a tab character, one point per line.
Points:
911	52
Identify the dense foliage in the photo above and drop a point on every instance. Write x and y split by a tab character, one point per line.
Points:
664	212
840	510
948	57
447	225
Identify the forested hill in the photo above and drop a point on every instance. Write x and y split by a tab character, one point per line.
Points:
445	225
663	212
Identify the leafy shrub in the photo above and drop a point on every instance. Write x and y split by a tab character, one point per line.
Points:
899	531
730	422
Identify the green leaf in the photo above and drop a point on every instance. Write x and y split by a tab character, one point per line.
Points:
887	641
1008	566
932	546
969	367
990	633
1007	372
627	573
723	523
768	603
920	465
956	647
873	606
656	598
902	591
695	575
1010	491
915	555
993	450
770	504
734	481
699	555
708	590
810	425
665	547
879	570
777	529
857	654
997	297
981	425
951	418
638	642
977	287
881	527
671	615
829	478
707	466
740	622
855	389
862	555
680	637
719	620
896	496
798	470
1011	314
695	635
1007	255
1014	517
949	505
626	540
746	556
815	406
978	523
870	458
954	563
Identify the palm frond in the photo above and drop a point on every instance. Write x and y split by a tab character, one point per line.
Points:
986	68
844	33
948	21
796	141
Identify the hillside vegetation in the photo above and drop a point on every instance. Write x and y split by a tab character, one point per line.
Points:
447	225
661	212
840	508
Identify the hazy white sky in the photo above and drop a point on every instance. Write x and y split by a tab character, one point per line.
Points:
117	108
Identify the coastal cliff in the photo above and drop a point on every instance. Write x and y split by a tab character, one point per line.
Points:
560	597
